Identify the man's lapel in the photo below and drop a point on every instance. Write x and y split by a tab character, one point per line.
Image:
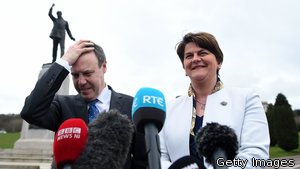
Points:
115	100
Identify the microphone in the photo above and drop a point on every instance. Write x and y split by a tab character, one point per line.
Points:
108	142
148	115
215	141
69	142
186	162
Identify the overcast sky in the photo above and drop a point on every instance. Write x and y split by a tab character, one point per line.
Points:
260	40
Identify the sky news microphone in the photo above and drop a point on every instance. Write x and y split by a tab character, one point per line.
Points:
186	162
215	141
69	142
148	114
108	144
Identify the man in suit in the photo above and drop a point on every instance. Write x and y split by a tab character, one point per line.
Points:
58	33
87	63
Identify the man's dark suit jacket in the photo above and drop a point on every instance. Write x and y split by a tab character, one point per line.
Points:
47	110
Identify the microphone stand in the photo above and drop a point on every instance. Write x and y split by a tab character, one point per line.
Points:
67	166
217	154
152	146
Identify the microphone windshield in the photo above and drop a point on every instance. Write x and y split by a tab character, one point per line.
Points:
186	162
148	106
108	144
214	136
69	141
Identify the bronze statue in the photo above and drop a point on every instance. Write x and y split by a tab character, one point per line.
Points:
58	33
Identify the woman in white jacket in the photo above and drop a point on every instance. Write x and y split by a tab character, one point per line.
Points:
208	100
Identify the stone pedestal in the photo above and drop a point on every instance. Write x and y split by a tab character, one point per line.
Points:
33	137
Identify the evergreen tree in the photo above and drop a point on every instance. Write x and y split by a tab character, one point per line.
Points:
297	117
285	128
271	120
11	122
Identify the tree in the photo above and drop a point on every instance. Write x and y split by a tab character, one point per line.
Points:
271	122
285	125
10	122
297	118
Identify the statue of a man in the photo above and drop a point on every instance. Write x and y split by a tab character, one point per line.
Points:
58	33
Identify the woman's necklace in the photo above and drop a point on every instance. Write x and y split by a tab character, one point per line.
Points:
191	92
202	105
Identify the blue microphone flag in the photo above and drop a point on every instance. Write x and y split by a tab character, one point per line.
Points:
148	97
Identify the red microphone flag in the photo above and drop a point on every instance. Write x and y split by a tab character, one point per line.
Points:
69	141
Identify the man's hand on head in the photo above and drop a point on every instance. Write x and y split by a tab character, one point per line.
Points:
77	49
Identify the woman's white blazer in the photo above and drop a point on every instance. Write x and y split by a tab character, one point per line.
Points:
239	108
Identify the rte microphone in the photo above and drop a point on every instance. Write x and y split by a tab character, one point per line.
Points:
108	143
148	114
215	141
186	162
69	142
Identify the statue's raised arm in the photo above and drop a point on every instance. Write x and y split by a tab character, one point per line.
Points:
60	26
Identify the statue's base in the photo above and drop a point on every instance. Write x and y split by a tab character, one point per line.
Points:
34	139
35	144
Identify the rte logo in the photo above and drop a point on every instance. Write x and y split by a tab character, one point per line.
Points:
153	100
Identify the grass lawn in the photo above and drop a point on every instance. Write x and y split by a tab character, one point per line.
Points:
8	140
278	152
